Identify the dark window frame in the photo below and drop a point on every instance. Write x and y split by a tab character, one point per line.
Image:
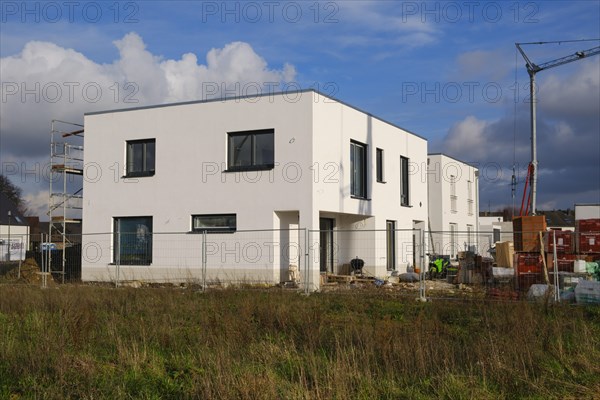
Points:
139	249
218	229
253	164
146	171
404	181
380	164
390	239
359	191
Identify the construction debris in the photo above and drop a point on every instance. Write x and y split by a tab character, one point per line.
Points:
29	273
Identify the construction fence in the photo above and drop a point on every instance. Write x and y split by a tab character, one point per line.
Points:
414	262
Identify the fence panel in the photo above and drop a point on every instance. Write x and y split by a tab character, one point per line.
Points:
434	263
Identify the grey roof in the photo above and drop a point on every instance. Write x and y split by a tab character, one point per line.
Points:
7	205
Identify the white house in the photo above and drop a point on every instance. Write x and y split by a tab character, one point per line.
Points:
453	205
494	229
587	211
14	231
323	181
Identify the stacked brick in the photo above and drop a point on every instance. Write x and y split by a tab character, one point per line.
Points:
583	244
528	263
588	236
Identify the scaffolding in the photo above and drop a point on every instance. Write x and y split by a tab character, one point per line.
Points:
66	189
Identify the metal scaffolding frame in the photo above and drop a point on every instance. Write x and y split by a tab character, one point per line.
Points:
66	187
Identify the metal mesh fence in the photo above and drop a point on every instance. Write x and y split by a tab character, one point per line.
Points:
415	262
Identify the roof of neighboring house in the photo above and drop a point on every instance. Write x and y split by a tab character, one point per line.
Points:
7	205
559	218
453	158
253	96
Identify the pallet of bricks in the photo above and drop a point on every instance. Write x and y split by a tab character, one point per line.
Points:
588	237
566	255
587	232
529	259
535	252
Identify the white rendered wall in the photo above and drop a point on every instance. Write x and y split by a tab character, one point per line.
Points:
311	179
191	157
335	125
440	170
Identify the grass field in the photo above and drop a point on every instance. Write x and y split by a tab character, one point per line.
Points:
102	343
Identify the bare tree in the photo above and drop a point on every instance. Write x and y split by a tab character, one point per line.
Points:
14	193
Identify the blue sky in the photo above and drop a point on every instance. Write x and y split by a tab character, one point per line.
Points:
445	70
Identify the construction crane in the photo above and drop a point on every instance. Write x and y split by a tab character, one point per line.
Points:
533	69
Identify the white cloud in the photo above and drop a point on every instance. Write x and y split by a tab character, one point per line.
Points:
37	203
568	143
45	81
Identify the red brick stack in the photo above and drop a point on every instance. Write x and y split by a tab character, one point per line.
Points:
565	250
588	236
528	258
584	244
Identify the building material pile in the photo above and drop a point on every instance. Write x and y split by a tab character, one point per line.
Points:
564	253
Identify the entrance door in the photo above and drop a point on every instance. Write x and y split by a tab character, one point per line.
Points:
326	244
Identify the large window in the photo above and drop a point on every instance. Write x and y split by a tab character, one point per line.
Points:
251	150
132	241
379	164
358	167
404	183
214	223
140	157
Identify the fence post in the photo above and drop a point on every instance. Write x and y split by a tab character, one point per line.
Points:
41	249
204	261
307	260
555	267
118	258
422	295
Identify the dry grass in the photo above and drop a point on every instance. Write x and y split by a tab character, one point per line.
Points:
93	342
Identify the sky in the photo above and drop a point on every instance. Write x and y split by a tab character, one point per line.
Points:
448	71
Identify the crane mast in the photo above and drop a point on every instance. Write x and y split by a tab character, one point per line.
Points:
532	70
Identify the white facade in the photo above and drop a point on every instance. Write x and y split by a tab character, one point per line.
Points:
311	179
494	229
14	242
587	211
453	205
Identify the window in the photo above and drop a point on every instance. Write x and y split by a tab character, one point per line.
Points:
140	157
453	246
496	235
390	238
251	150
453	194
404	184
470	197
469	237
358	166
214	223
132	241
379	163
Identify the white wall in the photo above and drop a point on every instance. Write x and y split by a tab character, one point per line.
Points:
311	176
587	211
335	125
441	215
19	242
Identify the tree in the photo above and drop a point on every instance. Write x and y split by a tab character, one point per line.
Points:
14	193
